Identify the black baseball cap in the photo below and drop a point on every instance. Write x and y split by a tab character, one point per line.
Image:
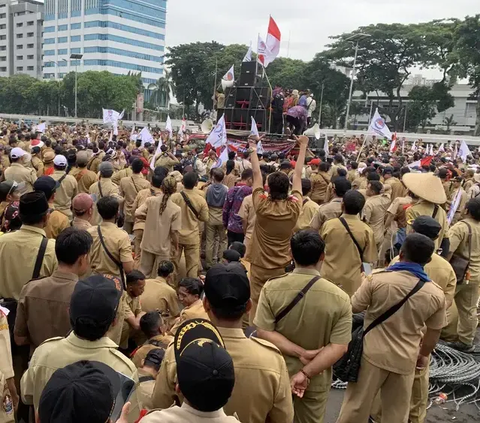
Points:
96	298
80	392
205	370
47	185
227	286
155	357
9	187
428	226
33	204
232	255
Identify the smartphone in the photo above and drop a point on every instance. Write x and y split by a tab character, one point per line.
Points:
367	269
127	386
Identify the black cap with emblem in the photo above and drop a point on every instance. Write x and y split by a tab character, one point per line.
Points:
205	369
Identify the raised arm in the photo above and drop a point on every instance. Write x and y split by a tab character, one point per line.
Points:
302	141
257	173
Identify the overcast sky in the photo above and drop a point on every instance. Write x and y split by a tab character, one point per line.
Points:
307	23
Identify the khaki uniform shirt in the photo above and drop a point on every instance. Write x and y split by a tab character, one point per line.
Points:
448	188
145	389
394	345
43	308
6	369
262	390
461	206
118	243
103	188
159	296
56	223
352	175
323	317
273	229
398	210
309	210
326	212
391	181
159	341
424	208
458	235
374	214
468	183
84	177
190	224
18	173
81	223
129	187
94	163
19	251
194	311
247	213
187	414
140	200
230	180
118	176
158	228
38	165
343	265
57	353
320	181
166	161
65	192
360	183
398	190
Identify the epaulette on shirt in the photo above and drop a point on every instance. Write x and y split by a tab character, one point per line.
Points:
57	338
267	344
278	277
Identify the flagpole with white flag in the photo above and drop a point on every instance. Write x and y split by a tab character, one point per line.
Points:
379	126
157	152
248	55
464	151
218	136
168	127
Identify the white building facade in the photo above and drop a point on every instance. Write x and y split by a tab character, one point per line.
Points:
21	37
118	36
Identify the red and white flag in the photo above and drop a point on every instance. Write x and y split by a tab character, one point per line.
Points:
267	51
393	145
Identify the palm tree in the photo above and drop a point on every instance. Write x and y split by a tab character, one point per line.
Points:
161	90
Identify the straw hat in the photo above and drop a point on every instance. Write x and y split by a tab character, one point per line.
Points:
426	186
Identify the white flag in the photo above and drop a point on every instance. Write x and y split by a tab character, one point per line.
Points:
464	151
157	152
379	126
229	78
260	149
218	136
442	147
41	127
248	56
418	163
223	157
111	116
146	136
325	146
454	206
168	126
120	117
264	55
253	128
414	146
183	130
133	135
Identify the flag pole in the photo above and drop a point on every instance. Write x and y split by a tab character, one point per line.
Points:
215	84
268	105
361	149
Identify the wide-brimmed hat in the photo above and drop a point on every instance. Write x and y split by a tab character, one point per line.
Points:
426	186
476	176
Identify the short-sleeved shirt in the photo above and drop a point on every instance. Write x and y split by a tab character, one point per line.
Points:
103	188
129	187
273	229
85	179
140	199
326	212
374	214
56	223
309	209
193	311
159	296
398	210
247	213
81	223
394	344
119	175
118	243
322	317
166	161
398	190
18	173
458	235
320	181
65	192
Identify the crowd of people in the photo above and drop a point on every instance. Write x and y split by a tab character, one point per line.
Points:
160	285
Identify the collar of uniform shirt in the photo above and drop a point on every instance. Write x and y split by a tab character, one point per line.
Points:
304	271
83	343
231	332
33	229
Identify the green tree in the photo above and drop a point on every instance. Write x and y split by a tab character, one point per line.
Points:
449	121
421	108
287	73
161	90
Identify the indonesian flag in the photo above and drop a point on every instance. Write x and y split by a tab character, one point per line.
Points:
268	51
420	163
393	145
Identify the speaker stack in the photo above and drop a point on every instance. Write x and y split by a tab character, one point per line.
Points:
249	97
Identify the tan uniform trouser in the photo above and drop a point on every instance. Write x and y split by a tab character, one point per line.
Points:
5	417
395	393
216	243
192	258
136	247
311	408
258	277
449	332
419	401
466	298
149	264
128	227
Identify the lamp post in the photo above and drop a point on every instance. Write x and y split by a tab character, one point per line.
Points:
321	105
353	38
76	57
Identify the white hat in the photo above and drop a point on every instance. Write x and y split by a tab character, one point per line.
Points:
60	161
17	152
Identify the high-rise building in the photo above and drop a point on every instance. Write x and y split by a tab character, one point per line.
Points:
119	36
21	37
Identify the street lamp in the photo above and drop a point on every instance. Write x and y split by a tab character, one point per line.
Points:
355	37
76	57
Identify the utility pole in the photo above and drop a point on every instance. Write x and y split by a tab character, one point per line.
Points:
321	105
76	57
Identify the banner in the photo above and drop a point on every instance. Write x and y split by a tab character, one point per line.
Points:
41	127
146	136
223	157
111	116
379	126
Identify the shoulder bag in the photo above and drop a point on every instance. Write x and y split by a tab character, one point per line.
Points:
348	367
189	204
360	251
459	264
296	300
39	261
134	185
110	256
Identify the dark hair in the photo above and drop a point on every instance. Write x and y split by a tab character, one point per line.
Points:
89	329
342	185
338	158
218	174
193	286
137	165
324	167
307	247
443	173
404	170
190	179
160	354
473	207
31	219
306	186
71	244
165	268
279	185
150	322
354	165
230	166
376	187
247	174
134	276
353	202
373	176
157	180
231	155
239	247
418	248
341	172
108	207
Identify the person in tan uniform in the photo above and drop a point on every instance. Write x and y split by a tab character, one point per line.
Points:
277	215
18	172
309	207
166	159
4	161
353	174
388	177
8	392
133	310
320	180
467	292
447	185
262	390
93	307
333	209
395	348
84	177
163	221
67	187
95	161
57	221
129	188
82	207
42	311
147	374
48	158
458	190
314	334
189	294
247	213
194	209
398	188
375	211
37	162
343	264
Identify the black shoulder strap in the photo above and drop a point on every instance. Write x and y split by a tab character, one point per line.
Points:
100	188
189	204
40	256
296	300
142	379
360	251
392	310
469	241
134	185
62	179
110	256
435	211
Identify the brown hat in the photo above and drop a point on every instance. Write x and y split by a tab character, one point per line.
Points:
426	186
82	158
48	157
81	203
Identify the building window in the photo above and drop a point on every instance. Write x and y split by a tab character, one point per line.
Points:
109	37
3	59
30	23
30	35
49	52
19	57
62	27
62	51
30	68
49	29
62	39
75	38
19	68
3	69
29	45
126	28
19	24
19	46
19	35
62	64
3	26
3	48
3	15
3	37
30	57
76	26
48	75
123	65
75	51
134	54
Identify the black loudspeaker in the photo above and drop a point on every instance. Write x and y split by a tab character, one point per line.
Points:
248	75
243	95
230	98
260	116
260	98
241	119
228	114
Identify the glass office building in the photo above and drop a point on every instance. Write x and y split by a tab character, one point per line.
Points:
119	36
